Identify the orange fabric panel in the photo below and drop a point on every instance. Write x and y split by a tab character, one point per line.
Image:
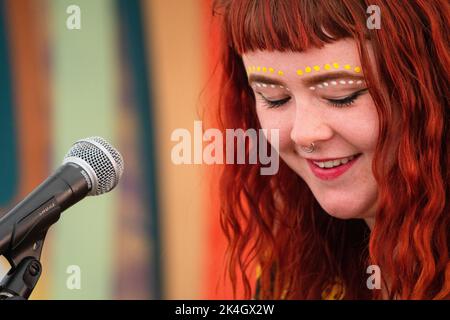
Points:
27	28
27	36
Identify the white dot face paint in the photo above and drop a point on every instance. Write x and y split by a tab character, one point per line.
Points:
339	83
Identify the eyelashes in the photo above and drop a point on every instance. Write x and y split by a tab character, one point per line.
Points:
274	103
346	101
338	103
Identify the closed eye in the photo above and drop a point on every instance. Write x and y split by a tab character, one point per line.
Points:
346	101
273	103
339	103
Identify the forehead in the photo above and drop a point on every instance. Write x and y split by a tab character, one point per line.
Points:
342	52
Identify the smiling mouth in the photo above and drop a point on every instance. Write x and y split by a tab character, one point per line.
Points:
331	169
335	163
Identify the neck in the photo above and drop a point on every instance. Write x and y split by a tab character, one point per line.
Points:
370	222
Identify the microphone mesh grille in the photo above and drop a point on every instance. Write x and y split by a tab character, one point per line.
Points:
113	152
108	173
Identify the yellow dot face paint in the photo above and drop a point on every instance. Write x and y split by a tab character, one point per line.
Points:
308	69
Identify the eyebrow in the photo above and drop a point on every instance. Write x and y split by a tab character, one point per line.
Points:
308	81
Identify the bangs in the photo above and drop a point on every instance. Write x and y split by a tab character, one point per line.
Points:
290	25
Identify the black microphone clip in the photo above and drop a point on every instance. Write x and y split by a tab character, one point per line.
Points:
19	282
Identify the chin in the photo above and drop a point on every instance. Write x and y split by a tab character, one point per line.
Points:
347	205
341	212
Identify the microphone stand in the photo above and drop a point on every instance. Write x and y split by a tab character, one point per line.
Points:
19	282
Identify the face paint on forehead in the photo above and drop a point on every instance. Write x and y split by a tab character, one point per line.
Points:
269	70
306	70
321	76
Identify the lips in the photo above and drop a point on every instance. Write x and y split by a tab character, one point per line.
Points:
331	173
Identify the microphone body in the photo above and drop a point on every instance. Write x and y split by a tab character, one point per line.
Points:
43	207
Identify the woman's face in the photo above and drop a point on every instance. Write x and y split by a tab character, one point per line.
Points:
320	96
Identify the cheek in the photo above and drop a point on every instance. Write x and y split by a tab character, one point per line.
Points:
274	119
361	128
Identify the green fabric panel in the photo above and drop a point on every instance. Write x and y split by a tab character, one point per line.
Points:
84	84
130	15
8	148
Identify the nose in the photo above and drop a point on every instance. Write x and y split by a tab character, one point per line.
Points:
309	125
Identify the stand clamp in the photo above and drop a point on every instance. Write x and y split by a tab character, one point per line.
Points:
19	282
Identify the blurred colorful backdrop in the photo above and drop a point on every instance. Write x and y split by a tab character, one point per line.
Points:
132	73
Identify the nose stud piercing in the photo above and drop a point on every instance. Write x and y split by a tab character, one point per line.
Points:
309	148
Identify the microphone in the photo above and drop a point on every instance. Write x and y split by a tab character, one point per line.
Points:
91	167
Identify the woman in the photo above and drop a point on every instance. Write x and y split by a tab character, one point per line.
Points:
363	119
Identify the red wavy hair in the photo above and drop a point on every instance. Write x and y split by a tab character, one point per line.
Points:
276	221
